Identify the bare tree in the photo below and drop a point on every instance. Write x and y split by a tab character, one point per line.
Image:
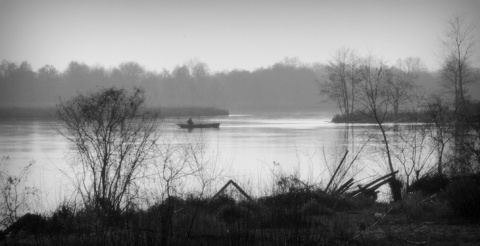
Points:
402	81
457	72
113	137
413	151
375	96
343	76
439	127
375	101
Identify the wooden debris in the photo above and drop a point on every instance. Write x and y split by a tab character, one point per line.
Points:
236	186
364	188
344	187
336	171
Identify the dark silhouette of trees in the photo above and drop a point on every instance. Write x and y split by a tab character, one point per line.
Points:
285	85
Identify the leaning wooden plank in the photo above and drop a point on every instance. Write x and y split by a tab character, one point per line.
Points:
375	187
221	190
345	186
236	186
241	191
372	183
336	171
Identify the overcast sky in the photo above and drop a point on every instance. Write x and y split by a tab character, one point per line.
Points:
224	34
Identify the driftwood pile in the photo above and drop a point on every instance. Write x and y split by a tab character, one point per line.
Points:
369	189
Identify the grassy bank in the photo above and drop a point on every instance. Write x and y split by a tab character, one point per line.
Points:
11	113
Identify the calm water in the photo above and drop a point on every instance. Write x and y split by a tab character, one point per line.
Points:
246	147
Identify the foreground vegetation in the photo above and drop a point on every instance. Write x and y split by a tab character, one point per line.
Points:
291	216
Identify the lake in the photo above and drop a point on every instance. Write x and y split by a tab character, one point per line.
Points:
249	148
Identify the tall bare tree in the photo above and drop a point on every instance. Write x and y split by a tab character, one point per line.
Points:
439	126
413	150
113	138
343	75
402	81
457	72
375	100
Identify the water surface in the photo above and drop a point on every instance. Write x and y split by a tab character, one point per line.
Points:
247	147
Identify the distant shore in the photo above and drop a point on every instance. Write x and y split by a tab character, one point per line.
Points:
12	113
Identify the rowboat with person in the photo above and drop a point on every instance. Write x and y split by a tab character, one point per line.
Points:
191	125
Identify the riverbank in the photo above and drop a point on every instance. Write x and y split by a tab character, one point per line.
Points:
12	113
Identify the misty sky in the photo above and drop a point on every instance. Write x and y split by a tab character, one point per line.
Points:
224	34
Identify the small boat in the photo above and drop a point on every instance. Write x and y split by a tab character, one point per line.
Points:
206	125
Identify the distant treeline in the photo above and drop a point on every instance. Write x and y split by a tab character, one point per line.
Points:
285	85
8	113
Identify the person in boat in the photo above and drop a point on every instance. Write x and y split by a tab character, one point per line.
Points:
190	122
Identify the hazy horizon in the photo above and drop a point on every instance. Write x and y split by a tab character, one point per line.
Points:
225	35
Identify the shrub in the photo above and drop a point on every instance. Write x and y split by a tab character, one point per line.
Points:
429	185
63	219
220	201
463	196
230	213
